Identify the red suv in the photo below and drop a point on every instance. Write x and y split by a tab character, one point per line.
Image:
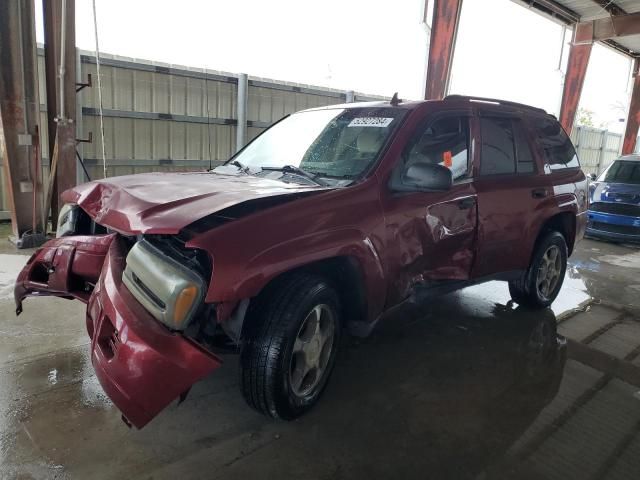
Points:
324	222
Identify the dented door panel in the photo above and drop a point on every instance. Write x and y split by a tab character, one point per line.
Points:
431	237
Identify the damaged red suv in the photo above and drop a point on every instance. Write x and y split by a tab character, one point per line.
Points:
321	224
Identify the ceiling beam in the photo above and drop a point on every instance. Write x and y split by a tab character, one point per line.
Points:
608	28
610	7
552	9
555	11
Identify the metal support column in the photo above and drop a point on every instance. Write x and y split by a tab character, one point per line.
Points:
81	177
61	103
579	54
243	97
444	30
19	117
601	152
633	117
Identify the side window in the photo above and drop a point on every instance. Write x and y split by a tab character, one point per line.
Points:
525	162
446	142
497	150
556	144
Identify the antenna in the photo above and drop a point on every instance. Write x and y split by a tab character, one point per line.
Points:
395	100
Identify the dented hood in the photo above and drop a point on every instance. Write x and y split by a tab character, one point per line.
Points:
164	203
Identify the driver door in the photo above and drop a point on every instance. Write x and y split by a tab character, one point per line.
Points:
431	236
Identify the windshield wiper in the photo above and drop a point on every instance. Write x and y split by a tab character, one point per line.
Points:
243	168
300	172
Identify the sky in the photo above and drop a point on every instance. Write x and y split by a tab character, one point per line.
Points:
371	46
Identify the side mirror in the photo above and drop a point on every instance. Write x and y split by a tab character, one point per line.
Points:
427	177
593	177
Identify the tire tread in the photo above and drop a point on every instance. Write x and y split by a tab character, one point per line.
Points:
267	336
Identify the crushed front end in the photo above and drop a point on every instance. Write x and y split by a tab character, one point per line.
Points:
140	313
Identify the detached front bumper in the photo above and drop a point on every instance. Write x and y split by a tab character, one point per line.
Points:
141	365
614	227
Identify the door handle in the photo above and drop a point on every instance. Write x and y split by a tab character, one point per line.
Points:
539	192
466	203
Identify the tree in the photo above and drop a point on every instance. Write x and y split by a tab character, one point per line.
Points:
584	117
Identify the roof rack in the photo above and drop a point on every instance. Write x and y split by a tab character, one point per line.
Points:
494	101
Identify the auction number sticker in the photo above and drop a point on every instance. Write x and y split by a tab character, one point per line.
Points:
380	122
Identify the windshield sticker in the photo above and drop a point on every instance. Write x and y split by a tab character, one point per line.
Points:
380	122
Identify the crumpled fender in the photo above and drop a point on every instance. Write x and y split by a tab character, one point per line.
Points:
235	279
141	365
61	267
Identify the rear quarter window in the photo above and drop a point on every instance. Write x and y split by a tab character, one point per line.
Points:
558	149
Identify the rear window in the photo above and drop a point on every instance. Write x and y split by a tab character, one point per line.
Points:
556	144
622	171
504	148
498	147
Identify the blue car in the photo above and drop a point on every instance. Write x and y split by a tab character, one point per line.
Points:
614	213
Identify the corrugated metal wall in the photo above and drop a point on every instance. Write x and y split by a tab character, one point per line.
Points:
165	117
596	148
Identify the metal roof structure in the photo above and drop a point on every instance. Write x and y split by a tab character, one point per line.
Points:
615	23
611	19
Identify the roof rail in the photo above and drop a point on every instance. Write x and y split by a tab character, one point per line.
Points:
494	100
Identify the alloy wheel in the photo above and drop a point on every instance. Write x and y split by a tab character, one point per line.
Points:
312	350
549	271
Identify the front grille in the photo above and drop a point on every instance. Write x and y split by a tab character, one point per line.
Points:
611	228
616	208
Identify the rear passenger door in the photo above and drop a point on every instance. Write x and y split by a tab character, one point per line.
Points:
510	188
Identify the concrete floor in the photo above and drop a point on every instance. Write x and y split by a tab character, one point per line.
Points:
468	387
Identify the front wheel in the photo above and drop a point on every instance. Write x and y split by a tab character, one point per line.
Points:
542	281
291	346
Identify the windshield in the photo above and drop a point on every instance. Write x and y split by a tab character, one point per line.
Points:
337	142
622	171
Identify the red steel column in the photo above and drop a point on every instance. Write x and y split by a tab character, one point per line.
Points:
574	79
66	171
19	115
444	29
633	118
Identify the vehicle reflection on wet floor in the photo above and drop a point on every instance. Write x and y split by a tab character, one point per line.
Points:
469	386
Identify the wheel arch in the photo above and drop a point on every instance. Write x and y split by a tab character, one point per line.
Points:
344	272
565	224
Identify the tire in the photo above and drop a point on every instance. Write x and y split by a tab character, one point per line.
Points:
282	341
528	291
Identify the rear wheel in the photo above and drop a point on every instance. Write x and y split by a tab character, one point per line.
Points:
541	283
290	347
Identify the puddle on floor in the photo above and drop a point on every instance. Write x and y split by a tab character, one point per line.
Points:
574	294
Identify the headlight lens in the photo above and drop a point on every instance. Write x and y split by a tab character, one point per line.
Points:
67	220
169	291
184	304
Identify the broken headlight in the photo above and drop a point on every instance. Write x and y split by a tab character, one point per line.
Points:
169	291
67	220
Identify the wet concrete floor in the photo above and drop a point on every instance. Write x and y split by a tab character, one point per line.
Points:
471	386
